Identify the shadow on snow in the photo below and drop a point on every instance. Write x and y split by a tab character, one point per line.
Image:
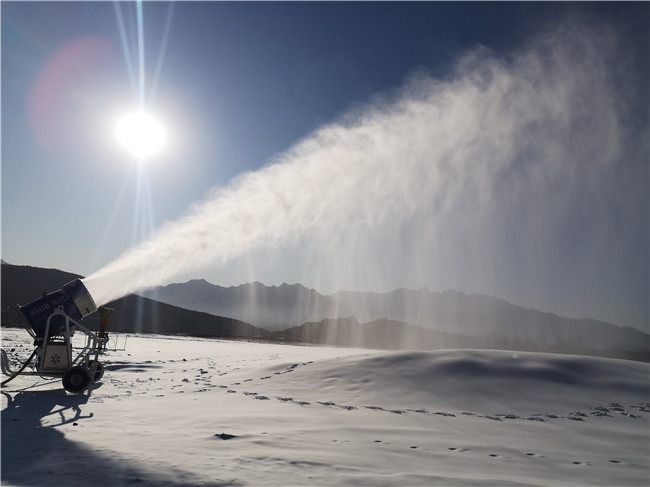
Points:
35	446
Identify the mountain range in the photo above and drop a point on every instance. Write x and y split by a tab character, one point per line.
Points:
401	319
449	313
269	307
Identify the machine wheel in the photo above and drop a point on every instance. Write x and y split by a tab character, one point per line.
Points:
76	379
96	370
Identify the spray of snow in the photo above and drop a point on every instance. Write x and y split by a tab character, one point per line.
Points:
445	162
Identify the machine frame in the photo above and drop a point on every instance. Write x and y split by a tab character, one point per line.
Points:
52	328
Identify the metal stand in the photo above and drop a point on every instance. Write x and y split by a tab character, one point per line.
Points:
57	357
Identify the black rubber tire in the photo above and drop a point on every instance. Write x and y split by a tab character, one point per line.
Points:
76	379
96	370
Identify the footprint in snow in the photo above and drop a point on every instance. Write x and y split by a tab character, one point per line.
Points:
493	418
375	408
330	403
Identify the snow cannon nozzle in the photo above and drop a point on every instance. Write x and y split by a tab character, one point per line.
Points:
73	298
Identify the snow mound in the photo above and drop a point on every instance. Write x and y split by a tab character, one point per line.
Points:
490	380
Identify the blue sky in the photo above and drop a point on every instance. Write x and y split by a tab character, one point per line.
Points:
239	84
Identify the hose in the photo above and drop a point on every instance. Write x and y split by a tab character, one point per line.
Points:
15	374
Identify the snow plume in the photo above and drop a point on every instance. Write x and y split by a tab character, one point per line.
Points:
490	179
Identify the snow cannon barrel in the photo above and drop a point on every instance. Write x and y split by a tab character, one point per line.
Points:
73	297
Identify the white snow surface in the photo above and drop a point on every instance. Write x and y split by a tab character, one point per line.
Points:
180	411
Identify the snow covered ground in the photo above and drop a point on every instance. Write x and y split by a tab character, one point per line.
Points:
182	411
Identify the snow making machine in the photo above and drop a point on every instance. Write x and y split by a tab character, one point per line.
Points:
52	320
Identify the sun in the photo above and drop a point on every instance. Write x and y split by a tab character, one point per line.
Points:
140	134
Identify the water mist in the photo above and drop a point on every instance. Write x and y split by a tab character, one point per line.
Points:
477	177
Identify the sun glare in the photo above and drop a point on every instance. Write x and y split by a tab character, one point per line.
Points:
140	134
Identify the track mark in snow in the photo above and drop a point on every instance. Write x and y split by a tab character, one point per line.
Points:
375	408
330	403
292	400
575	418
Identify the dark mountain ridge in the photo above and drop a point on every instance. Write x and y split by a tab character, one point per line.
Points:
401	319
268	307
134	314
480	315
450	312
